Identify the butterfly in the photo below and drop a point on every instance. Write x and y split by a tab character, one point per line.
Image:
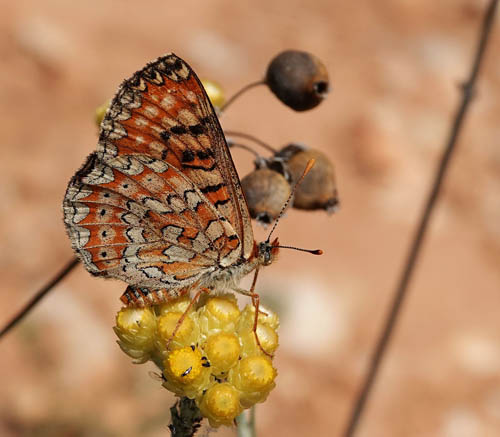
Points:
159	204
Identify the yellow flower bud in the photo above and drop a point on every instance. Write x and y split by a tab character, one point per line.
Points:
268	339
254	378
186	335
135	328
219	313
100	112
215	93
220	404
184	372
180	304
222	351
266	317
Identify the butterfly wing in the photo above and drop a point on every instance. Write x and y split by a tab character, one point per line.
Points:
159	204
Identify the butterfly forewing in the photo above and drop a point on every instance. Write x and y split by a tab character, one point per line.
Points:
159	204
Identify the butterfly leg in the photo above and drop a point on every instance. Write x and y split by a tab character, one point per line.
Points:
184	315
256	303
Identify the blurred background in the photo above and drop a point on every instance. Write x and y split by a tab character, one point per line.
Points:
396	69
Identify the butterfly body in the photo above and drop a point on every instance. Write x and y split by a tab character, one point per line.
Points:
159	204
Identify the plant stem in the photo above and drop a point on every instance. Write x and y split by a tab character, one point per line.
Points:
239	93
401	289
186	418
246	423
39	296
251	138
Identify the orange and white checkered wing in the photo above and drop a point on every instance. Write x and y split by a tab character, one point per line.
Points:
159	204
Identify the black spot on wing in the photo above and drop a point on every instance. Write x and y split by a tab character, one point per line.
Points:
178	130
200	167
164	135
187	156
177	65
212	188
197	129
221	202
205	154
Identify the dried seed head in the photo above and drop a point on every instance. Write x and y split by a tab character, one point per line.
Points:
266	192
318	190
298	79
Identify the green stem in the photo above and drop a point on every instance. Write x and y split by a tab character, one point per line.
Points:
246	423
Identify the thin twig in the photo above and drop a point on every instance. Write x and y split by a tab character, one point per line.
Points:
401	290
251	138
232	144
38	296
239	93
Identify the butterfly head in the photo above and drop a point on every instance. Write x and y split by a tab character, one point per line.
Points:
267	251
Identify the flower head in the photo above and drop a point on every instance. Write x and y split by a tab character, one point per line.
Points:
206	352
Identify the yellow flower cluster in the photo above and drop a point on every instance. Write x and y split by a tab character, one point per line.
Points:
213	358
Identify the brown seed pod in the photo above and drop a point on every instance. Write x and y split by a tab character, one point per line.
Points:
266	192
318	190
298	79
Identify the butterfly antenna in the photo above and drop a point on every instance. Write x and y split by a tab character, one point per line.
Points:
311	251
309	166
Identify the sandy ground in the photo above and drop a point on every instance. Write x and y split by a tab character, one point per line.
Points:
396	68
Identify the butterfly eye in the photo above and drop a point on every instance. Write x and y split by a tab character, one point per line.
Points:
267	254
